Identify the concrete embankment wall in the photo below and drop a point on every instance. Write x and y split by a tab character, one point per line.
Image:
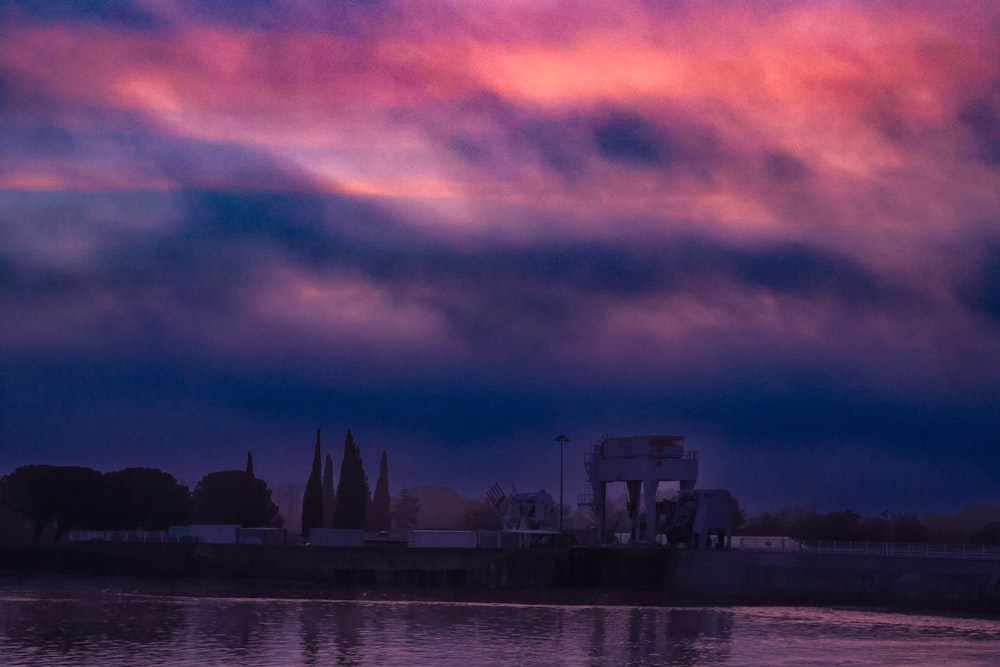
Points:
647	576
731	577
797	578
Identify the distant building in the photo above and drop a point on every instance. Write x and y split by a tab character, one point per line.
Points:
533	510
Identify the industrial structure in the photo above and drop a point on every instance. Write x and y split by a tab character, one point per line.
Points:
696	519
688	517
531	510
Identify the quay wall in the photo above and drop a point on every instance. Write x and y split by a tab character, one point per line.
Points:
584	575
802	578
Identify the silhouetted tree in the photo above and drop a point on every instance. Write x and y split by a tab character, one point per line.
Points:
739	515
329	494
233	496
766	524
908	528
377	517
312	500
14	529
843	526
66	496
250	464
875	528
352	491
143	498
959	527
405	510
809	526
988	534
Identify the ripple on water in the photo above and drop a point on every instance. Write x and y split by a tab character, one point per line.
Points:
46	626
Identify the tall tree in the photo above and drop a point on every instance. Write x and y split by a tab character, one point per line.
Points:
64	496
312	500
250	463
329	496
377	517
233	496
352	491
143	498
739	515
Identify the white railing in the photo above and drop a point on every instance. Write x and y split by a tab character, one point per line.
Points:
120	536
888	549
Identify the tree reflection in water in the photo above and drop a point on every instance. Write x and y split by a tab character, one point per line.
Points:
332	633
78	624
44	625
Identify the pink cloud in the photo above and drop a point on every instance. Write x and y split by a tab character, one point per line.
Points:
825	124
817	83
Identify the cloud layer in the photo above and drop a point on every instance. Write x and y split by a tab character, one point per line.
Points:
460	230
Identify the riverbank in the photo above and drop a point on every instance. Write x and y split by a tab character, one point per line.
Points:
610	576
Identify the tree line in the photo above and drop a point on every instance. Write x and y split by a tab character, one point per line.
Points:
64	498
70	497
975	524
349	503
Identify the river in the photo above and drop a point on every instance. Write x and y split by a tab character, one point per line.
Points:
44	623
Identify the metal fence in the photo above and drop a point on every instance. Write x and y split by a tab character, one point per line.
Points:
120	536
888	549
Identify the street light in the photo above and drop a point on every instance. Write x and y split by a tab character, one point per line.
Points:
562	440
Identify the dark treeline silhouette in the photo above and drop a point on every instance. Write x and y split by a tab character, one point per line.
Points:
352	489
60	495
312	501
348	504
377	517
233	496
144	498
68	497
329	493
975	524
65	498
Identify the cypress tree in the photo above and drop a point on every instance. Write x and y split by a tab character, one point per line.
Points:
312	500
352	491
329	498
378	514
250	464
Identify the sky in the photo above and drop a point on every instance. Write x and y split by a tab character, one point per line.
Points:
460	229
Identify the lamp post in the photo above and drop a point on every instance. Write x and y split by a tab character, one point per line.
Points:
562	440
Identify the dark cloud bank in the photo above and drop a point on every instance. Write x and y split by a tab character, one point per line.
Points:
134	387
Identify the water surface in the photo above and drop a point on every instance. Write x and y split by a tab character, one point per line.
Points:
43	624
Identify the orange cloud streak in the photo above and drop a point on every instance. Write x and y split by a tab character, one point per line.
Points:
818	84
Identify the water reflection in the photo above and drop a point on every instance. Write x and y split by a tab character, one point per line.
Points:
697	636
67	626
233	626
310	636
332	633
597	634
46	626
